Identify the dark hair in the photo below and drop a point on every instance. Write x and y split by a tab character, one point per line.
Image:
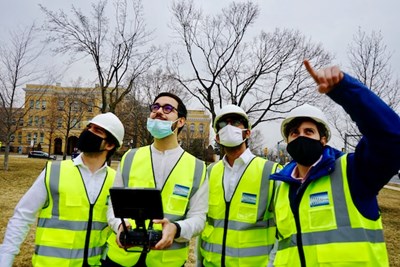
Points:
295	123
182	111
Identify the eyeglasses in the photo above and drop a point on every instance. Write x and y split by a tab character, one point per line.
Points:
167	108
232	121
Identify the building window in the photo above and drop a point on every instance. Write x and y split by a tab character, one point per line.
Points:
60	105
75	106
41	137
37	105
59	123
192	128
90	106
28	137
30	119
31	104
74	123
201	128
36	120
21	122
42	121
19	138
43	104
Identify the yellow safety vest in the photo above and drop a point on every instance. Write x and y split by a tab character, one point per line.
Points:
71	231
183	181
240	232
332	231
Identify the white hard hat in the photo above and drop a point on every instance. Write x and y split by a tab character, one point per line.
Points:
231	109
112	124
307	111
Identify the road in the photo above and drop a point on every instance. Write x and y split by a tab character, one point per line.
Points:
395	179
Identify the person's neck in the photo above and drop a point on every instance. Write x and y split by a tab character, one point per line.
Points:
94	161
167	143
232	153
302	171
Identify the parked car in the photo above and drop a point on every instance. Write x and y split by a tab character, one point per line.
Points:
41	154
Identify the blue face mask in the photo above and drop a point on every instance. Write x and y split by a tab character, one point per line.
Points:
159	128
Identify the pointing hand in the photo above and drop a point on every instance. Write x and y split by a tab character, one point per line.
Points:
326	78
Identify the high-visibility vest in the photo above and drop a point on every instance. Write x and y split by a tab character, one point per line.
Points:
240	232
183	181
332	232
71	231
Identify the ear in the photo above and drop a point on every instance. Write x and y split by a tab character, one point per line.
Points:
108	146
324	141
248	133
217	138
181	122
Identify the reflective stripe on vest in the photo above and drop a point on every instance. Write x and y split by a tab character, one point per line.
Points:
62	235
329	242
249	240
137	171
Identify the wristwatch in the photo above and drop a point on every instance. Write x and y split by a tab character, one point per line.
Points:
178	230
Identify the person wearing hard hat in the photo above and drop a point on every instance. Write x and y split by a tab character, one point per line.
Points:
239	228
182	180
70	200
326	209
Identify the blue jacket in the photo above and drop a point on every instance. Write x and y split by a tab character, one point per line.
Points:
377	155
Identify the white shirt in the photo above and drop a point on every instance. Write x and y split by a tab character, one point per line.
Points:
233	174
195	219
33	201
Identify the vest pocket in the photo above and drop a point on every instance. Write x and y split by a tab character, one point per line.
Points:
176	205
321	218
74	205
285	221
247	213
347	254
50	237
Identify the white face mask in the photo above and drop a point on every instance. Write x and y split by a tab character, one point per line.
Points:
231	136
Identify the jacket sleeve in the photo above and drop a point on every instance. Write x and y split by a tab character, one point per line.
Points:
376	158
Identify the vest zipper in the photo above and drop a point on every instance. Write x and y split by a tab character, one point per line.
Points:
87	239
228	204
299	195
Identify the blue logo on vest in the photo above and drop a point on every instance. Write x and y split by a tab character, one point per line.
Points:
181	190
249	198
319	199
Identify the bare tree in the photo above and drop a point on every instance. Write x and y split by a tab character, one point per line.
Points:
18	60
370	63
119	52
256	143
72	108
264	76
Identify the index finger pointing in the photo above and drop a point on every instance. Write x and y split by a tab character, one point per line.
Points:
310	70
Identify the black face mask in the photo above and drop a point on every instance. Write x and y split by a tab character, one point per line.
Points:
304	150
89	142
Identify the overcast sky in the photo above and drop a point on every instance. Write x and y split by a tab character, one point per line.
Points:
332	23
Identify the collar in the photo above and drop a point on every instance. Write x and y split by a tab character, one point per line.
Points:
296	174
175	150
244	158
79	162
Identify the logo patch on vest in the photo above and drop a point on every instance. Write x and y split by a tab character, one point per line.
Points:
181	190
319	199
249	198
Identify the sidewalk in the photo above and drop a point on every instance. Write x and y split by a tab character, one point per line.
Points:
389	186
